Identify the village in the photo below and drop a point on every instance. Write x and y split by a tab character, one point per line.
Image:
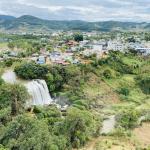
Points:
64	48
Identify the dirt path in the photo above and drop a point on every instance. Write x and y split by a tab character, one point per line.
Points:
91	145
119	144
142	134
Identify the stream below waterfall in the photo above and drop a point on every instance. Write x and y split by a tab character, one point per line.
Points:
108	125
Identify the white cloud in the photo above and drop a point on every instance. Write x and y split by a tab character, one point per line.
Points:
91	10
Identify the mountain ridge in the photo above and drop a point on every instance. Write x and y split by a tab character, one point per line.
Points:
31	23
7	17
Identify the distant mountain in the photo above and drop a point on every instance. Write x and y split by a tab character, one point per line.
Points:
28	23
5	17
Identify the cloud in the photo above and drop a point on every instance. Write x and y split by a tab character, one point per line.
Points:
89	10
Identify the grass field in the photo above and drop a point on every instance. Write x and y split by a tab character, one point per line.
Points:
128	81
4	44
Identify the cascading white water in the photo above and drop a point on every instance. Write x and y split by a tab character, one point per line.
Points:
37	89
9	77
39	93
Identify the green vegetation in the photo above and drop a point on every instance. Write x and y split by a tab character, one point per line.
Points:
32	24
81	125
107	74
128	118
49	129
118	84
13	96
124	91
144	83
27	132
78	37
31	71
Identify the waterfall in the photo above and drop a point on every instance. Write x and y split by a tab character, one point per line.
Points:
37	89
9	77
39	93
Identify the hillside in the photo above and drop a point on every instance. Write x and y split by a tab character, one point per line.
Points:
5	17
108	103
30	23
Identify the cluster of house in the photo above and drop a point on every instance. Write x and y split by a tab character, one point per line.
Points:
101	47
55	57
87	48
8	54
74	50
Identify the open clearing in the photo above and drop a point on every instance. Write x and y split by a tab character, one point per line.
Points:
143	134
109	143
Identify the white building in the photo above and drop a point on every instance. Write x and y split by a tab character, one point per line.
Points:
97	47
135	45
116	46
144	51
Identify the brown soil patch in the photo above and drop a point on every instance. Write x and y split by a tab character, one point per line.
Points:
143	134
115	144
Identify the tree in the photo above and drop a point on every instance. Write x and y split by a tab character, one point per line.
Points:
147	36
50	82
5	115
78	37
144	83
14	96
133	51
71	72
131	39
25	132
80	125
31	71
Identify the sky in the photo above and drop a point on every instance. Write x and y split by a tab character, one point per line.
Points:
88	10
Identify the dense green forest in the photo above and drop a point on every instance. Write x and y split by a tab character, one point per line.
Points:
118	84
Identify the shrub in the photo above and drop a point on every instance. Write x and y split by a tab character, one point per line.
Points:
102	61
107	74
128	118
124	91
9	62
81	103
144	83
121	132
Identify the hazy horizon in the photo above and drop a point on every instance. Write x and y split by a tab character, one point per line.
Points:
75	20
86	10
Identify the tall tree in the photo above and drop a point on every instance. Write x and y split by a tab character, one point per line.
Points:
78	37
26	133
13	95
